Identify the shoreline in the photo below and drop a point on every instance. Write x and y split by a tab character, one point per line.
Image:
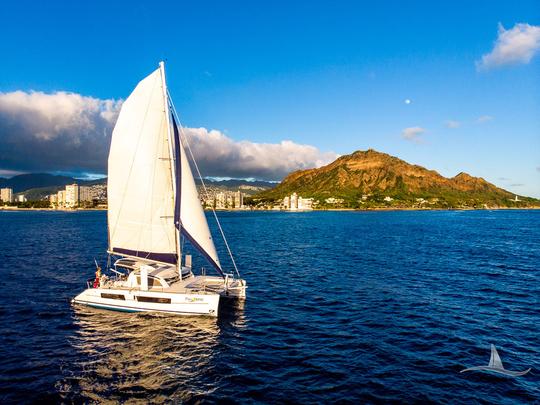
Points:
12	209
51	209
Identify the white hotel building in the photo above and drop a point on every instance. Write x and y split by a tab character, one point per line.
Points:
71	196
296	203
6	195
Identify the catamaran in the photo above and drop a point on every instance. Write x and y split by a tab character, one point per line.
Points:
153	209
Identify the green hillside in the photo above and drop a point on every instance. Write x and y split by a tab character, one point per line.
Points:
369	179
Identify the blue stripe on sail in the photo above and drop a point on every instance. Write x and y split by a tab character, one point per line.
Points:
171	258
201	250
178	169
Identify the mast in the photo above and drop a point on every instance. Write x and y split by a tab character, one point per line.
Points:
172	164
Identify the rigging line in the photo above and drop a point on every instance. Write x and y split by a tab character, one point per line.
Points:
202	182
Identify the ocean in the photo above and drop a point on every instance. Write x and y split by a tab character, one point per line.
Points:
350	307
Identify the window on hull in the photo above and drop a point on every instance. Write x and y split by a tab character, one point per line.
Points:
113	296
154	299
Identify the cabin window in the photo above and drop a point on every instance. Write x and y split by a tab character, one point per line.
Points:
113	296
154	299
152	282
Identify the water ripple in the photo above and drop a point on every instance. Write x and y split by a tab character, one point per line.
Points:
343	307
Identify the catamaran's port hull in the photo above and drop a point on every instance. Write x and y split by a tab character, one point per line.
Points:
146	301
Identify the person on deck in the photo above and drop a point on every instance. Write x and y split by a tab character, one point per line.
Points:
98	277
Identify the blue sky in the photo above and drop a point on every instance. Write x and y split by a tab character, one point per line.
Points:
333	76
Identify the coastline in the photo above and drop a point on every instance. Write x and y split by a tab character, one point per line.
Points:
13	209
51	209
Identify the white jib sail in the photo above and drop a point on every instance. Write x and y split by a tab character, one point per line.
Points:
140	190
193	221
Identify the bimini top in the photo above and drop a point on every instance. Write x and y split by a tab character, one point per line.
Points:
136	264
166	272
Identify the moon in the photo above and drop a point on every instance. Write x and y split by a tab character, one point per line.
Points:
407	101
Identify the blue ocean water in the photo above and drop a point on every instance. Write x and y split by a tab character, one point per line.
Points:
342	306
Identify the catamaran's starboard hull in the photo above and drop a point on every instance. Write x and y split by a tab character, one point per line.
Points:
146	301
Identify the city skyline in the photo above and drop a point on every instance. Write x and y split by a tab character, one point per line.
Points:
265	90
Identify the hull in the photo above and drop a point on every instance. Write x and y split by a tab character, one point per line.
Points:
147	301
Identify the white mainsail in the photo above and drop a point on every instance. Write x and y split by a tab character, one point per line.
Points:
146	204
140	185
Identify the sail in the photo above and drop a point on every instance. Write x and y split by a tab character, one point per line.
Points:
190	214
495	359
140	188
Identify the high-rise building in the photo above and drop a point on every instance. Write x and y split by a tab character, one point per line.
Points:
85	194
6	195
53	199
61	198
238	199
21	198
230	201
72	195
294	201
221	200
287	202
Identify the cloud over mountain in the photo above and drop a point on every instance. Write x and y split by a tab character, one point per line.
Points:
65	131
219	155
514	46
56	131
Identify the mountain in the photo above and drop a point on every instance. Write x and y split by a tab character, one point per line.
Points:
366	178
23	182
247	187
235	184
36	186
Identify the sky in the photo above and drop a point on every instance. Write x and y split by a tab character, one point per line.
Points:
271	87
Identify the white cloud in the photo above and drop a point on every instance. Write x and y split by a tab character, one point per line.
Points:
407	101
55	131
452	124
219	155
9	173
514	46
484	118
64	131
413	133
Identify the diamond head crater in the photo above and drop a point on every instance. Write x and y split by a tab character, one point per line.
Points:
371	179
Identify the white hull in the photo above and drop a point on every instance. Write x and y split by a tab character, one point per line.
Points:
192	295
138	301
